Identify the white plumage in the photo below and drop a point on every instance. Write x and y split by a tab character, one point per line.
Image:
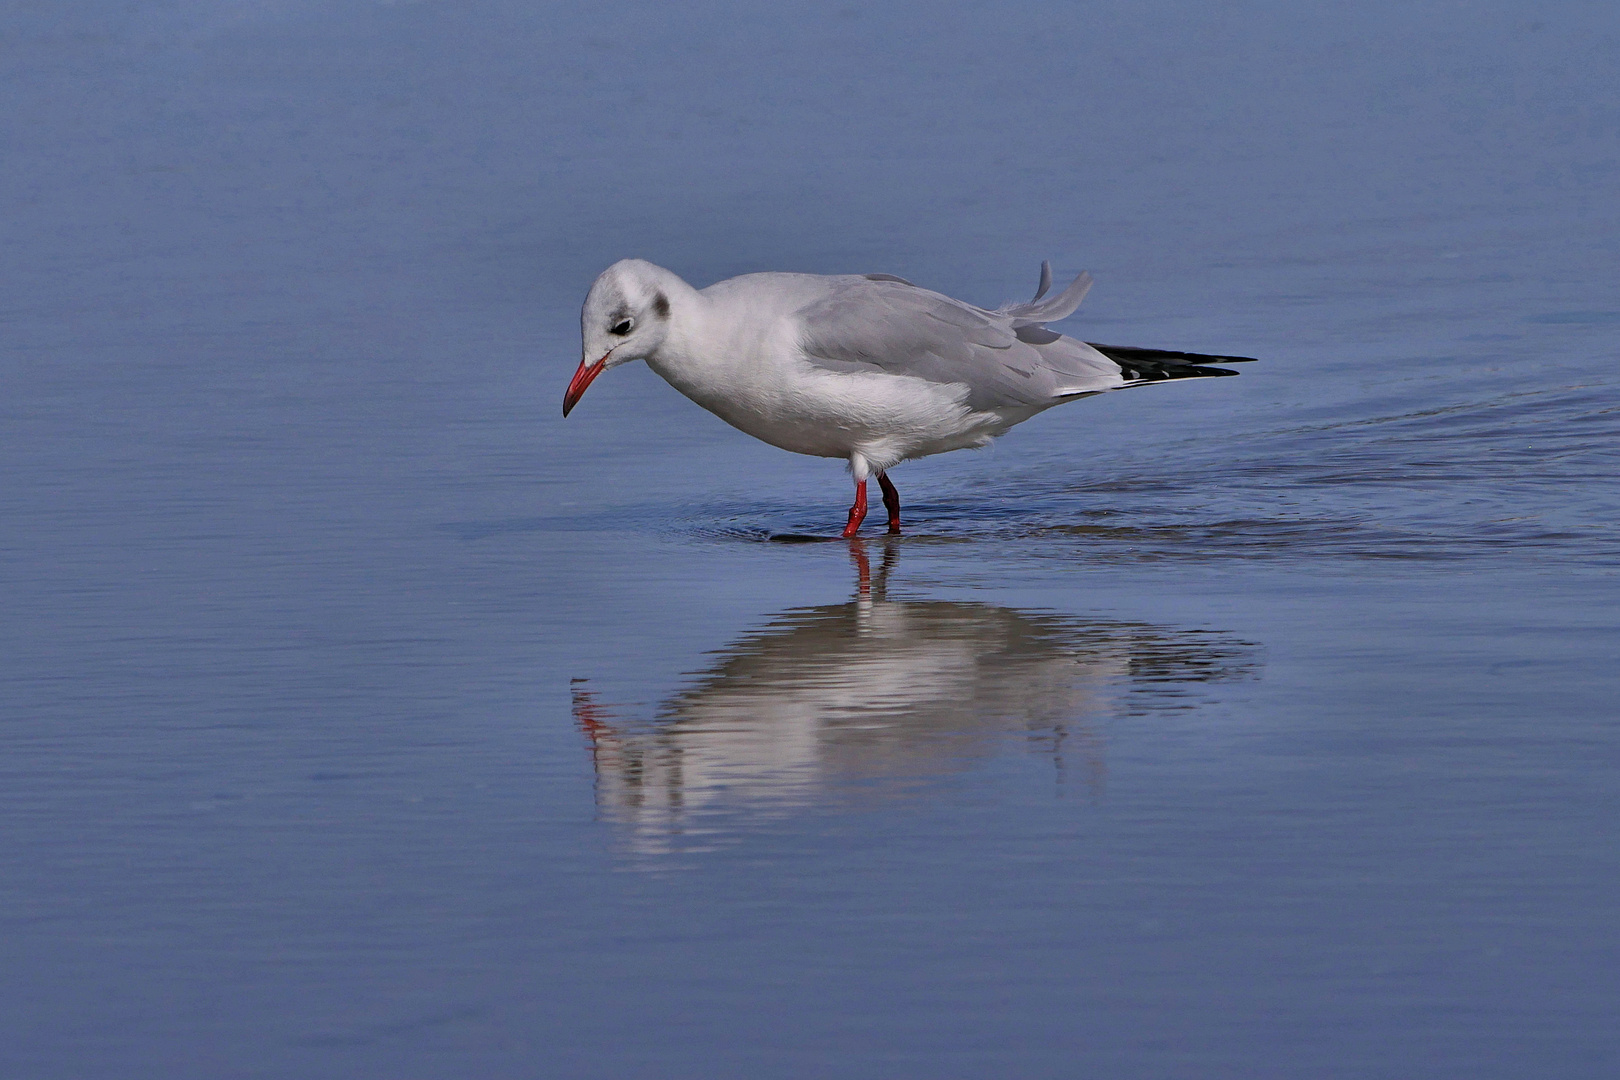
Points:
867	368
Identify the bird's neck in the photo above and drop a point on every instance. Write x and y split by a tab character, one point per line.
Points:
695	342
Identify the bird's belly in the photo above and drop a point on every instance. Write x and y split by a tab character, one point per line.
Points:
833	414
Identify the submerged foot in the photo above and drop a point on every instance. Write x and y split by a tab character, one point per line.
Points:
857	513
891	502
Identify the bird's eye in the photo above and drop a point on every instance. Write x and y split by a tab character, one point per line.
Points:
623	328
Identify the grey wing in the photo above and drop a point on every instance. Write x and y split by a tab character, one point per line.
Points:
888	326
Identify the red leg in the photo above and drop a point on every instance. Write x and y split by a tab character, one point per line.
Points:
891	502
857	513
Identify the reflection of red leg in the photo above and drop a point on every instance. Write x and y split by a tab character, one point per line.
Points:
863	568
891	502
857	513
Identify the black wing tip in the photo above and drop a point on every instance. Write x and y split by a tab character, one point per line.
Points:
1157	365
1133	352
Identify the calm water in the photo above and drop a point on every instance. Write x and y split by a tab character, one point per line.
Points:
361	718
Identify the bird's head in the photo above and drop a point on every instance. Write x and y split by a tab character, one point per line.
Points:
625	318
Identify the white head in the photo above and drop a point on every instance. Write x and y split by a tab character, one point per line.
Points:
625	318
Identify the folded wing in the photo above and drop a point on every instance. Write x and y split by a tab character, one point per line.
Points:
1003	359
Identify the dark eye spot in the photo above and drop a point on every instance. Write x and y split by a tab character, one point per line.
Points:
661	305
622	329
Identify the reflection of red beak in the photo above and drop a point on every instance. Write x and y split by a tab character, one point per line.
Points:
582	379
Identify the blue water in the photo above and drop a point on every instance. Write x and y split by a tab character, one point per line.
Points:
363	718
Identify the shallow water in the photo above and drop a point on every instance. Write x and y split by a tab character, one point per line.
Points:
363	718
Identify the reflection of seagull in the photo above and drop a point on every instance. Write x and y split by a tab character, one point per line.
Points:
840	696
867	368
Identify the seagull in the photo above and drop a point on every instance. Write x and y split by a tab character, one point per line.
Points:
868	368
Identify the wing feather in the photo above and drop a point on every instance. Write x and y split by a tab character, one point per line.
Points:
862	324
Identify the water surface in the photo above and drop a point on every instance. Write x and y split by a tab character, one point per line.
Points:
361	718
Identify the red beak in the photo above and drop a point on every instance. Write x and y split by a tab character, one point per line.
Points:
582	379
